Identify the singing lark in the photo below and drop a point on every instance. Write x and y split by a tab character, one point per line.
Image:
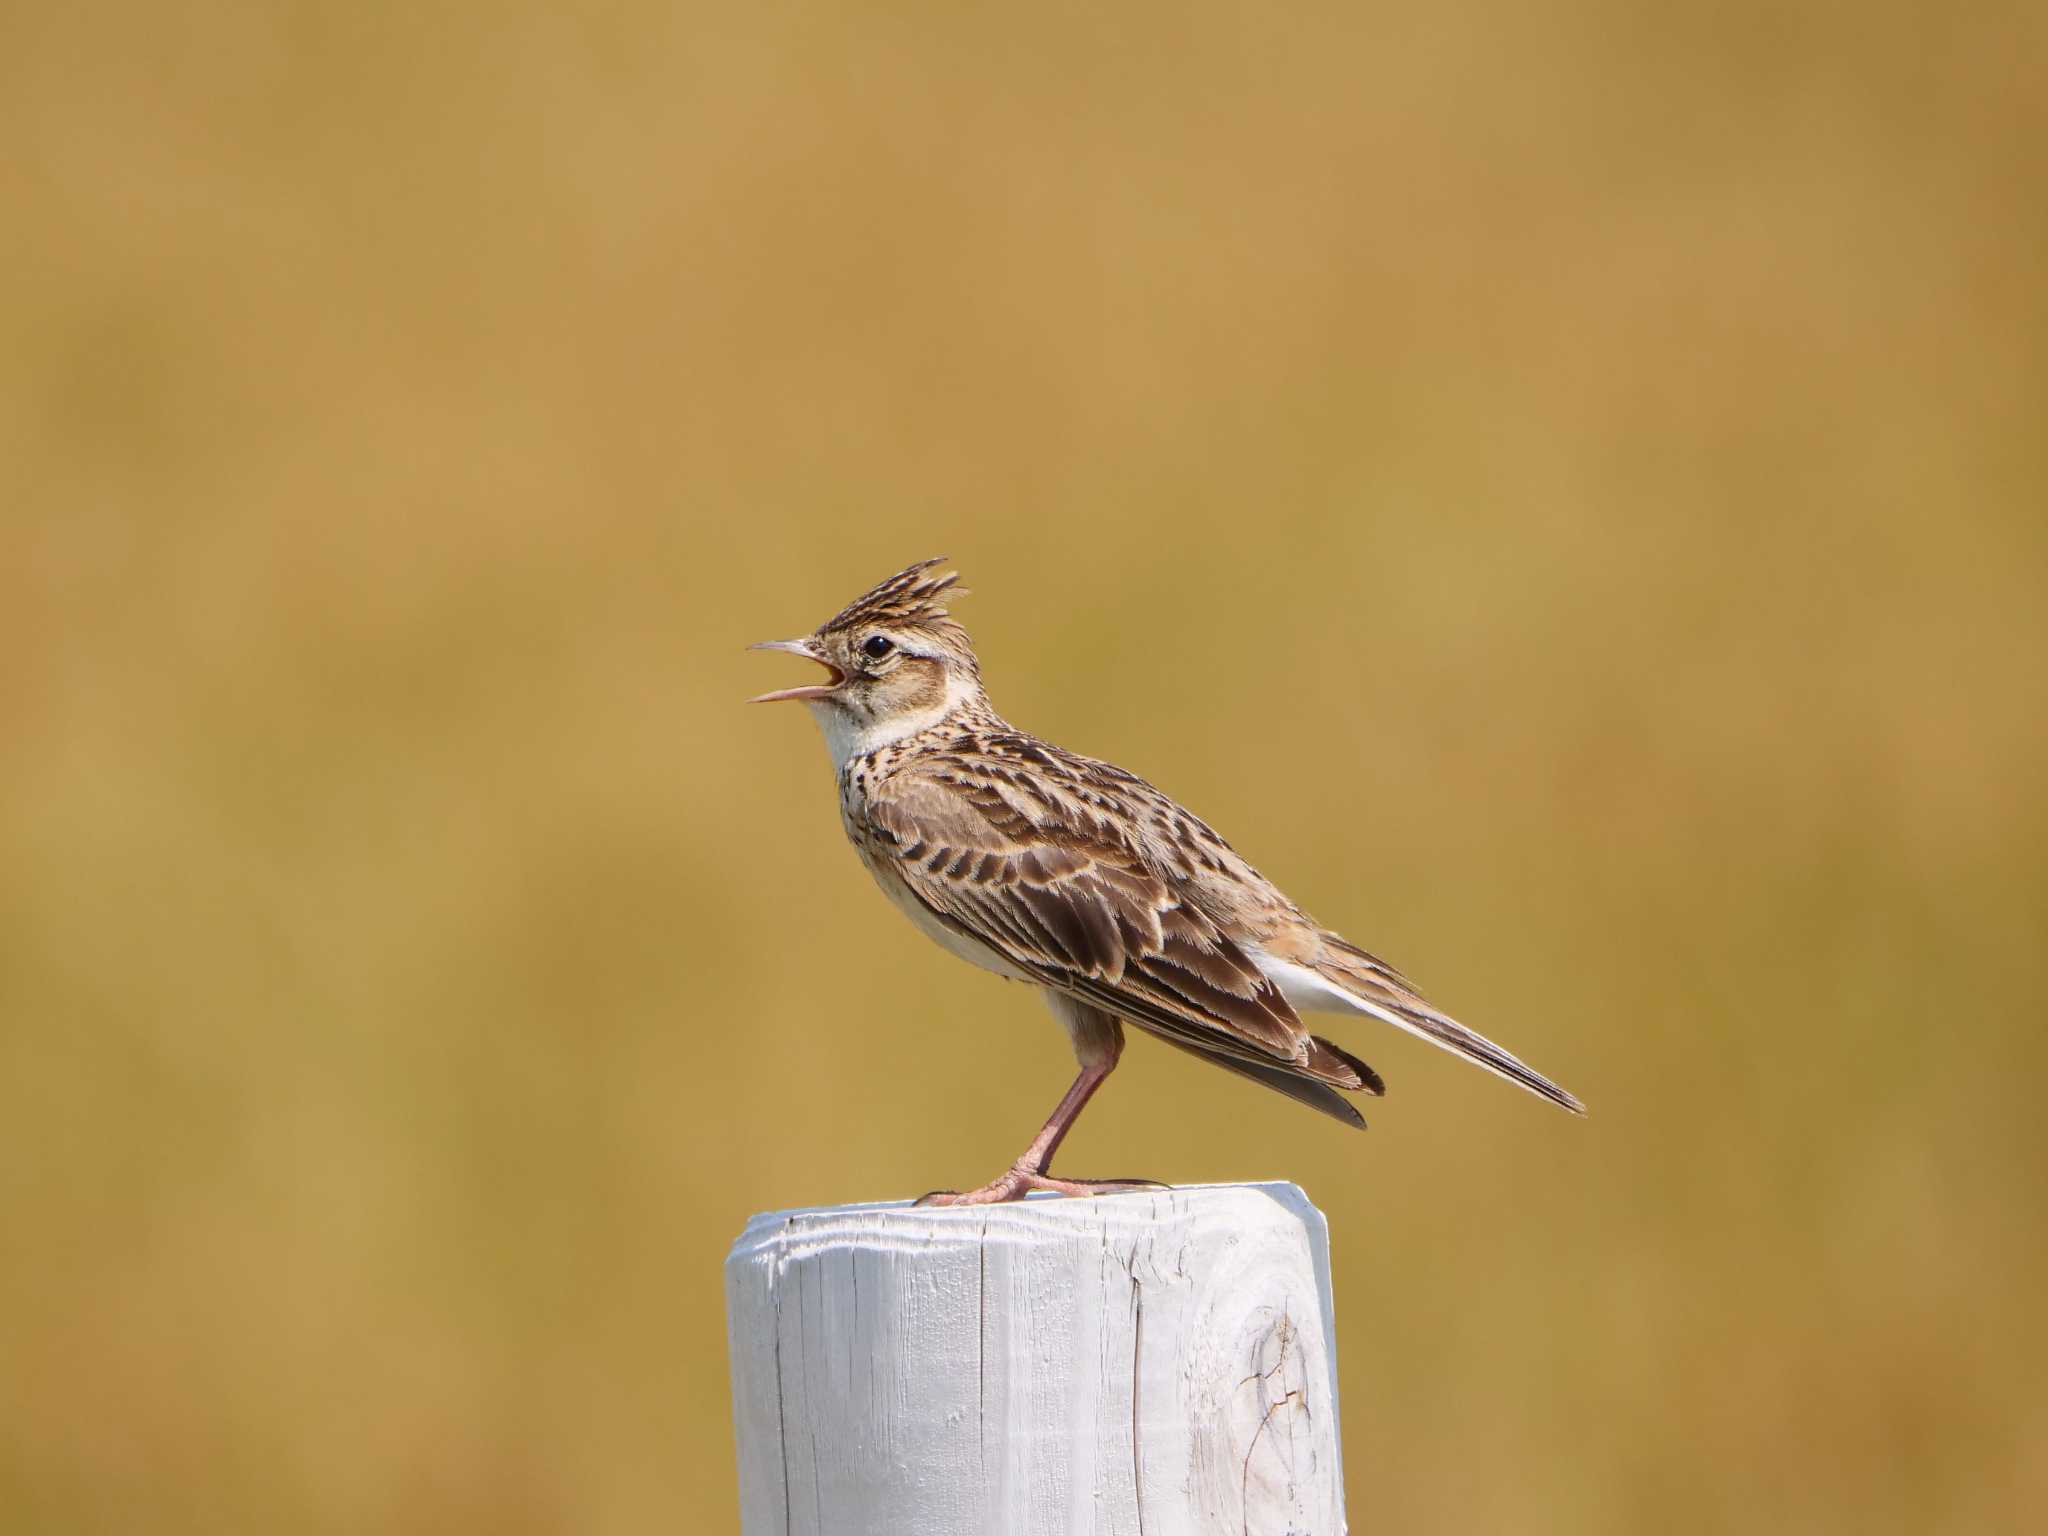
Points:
1066	872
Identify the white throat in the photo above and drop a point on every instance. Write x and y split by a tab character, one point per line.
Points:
848	735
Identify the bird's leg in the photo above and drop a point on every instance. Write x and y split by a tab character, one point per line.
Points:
1098	1042
1028	1173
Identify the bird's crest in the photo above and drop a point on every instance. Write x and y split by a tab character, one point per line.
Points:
912	598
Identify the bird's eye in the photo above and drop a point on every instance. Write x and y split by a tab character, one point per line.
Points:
875	647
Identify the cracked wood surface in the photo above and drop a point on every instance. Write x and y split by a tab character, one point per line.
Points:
1160	1363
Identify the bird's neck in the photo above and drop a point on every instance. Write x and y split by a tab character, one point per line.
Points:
849	738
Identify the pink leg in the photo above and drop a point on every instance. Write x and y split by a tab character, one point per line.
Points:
1099	1042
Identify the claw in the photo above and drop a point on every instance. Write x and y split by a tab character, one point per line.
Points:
1019	1182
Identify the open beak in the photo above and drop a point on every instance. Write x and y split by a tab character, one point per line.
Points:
800	648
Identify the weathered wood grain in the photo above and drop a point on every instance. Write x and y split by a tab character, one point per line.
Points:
1158	1364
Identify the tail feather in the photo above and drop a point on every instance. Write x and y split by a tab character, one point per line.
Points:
1376	988
1477	1049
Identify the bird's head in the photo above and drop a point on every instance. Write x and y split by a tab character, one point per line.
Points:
897	663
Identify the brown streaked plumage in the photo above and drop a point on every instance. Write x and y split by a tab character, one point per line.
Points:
1067	872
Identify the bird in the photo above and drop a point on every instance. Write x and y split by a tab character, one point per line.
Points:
1077	877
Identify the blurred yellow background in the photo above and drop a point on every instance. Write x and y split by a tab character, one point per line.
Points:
1561	488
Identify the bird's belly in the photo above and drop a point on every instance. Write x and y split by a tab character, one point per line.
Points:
927	923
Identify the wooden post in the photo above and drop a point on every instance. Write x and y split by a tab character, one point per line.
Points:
1160	1364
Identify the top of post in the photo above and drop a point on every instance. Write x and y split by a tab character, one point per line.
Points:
1248	1207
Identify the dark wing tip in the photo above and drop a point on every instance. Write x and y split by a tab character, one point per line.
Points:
1335	1064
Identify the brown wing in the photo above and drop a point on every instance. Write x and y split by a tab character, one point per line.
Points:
1067	902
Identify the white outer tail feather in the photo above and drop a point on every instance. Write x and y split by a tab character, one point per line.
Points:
1311	992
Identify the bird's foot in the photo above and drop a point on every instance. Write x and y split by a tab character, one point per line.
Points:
1019	1182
